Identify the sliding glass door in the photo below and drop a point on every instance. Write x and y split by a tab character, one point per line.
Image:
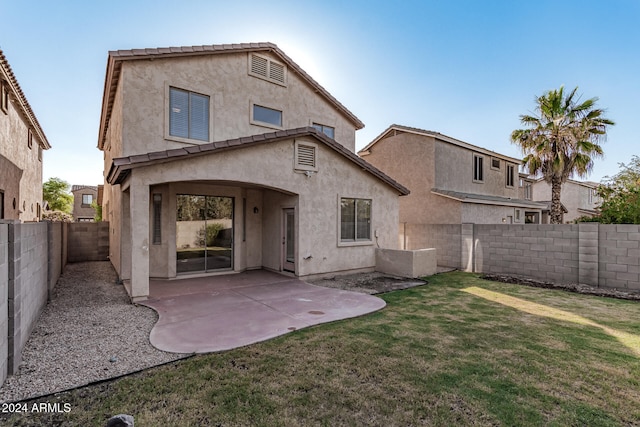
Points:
204	233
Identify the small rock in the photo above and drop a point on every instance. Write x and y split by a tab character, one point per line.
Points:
122	420
113	359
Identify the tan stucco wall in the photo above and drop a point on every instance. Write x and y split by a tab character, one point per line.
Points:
232	91
79	210
422	162
573	196
409	159
491	214
454	171
14	148
315	198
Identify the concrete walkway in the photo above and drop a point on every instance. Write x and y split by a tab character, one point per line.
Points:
216	313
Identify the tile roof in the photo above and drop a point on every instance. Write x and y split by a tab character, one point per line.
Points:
439	136
83	187
483	198
115	59
121	167
7	74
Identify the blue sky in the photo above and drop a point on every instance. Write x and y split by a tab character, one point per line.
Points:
464	68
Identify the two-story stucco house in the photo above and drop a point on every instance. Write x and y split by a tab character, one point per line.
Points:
83	197
21	144
578	198
451	181
225	158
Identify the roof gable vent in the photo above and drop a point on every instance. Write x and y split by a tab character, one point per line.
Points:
265	68
305	156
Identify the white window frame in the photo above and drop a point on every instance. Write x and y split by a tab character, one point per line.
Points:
253	121
478	176
356	242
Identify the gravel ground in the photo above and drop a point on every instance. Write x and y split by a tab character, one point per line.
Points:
89	331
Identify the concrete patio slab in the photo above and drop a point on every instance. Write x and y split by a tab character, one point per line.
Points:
216	313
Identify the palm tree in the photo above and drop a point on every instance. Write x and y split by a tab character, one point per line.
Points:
562	140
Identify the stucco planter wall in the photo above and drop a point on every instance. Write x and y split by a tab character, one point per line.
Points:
414	263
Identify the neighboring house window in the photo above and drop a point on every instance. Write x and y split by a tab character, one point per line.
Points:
1	204
305	156
87	199
39	153
478	172
527	191
327	130
29	139
267	115
4	97
188	114
495	163
355	220
267	69
511	172
517	215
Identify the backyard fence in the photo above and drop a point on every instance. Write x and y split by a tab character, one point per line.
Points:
594	254
32	258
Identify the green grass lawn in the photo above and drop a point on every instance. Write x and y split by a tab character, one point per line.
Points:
458	351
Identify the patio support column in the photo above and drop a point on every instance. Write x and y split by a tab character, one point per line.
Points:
139	210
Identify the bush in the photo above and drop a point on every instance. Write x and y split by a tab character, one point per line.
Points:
57	216
210	234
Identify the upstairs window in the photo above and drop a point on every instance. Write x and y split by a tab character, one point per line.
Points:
495	163
87	199
188	114
527	190
510	175
29	139
478	169
267	115
267	69
327	130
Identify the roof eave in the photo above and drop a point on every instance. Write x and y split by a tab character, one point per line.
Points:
121	167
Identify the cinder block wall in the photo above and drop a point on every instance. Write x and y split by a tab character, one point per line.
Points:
88	241
57	232
594	254
28	285
619	256
444	237
4	306
540	251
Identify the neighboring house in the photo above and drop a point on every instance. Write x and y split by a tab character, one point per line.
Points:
83	197
226	158
451	181
21	143
579	198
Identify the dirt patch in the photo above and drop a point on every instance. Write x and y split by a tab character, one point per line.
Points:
572	287
368	283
